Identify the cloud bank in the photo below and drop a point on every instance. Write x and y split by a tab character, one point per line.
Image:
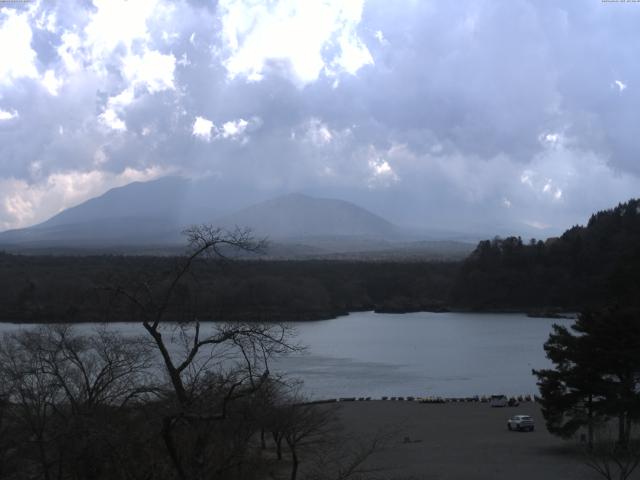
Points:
508	116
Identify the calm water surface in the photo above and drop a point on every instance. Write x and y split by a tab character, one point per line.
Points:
447	354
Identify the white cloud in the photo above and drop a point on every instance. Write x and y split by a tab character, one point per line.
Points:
111	119
202	128
47	21
118	22
151	69
8	115
117	34
184	61
23	204
354	54
381	38
51	82
69	51
525	178
380	172
318	133
380	167
296	34
123	99
234	128
206	130
115	105
621	86
17	58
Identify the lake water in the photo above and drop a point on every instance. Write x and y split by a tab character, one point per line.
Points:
419	354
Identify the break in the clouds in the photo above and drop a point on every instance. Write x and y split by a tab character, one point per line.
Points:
504	116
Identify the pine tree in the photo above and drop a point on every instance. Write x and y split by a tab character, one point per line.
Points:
596	374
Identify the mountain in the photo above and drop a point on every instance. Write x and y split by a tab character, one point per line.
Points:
298	217
152	214
140	213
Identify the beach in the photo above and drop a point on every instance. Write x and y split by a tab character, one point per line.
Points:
462	441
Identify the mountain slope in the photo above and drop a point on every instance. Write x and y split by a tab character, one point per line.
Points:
298	216
159	199
154	213
138	213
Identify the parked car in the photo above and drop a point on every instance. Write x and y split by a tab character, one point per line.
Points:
498	401
521	423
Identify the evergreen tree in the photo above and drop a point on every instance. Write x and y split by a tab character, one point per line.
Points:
596	374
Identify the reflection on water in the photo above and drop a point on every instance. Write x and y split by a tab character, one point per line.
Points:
446	354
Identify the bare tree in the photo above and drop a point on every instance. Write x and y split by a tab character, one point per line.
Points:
214	373
63	390
349	458
305	426
7	443
318	448
610	459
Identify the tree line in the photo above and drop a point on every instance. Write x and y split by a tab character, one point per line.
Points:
71	289
591	266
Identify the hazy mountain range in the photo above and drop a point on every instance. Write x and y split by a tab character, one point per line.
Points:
149	216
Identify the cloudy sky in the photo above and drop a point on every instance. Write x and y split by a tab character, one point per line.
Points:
505	116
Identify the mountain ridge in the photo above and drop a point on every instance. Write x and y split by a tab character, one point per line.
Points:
155	213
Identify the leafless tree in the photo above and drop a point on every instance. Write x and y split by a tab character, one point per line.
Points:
609	458
6	442
317	446
62	390
212	373
305	426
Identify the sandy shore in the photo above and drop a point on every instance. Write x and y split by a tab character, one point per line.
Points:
463	441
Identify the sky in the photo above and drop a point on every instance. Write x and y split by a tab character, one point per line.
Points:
502	116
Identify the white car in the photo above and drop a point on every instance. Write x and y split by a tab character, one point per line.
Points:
520	423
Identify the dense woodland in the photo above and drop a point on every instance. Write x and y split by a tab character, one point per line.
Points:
76	289
587	266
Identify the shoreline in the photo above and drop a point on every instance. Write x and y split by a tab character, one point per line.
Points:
548	314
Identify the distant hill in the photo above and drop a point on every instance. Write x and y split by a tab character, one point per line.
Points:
299	217
160	199
593	265
133	214
147	218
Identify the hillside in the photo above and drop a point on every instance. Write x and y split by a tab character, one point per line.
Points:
297	216
590	265
148	218
154	213
137	213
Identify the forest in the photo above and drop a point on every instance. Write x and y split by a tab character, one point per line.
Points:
588	266
77	289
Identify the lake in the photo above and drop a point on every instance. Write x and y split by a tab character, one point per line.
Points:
419	354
